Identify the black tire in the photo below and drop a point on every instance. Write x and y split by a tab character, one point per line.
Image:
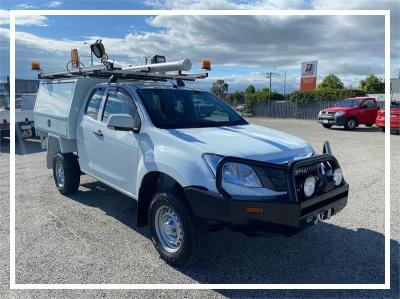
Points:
71	172
195	231
369	125
382	129
327	126
350	124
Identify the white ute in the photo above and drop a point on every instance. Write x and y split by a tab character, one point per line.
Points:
184	155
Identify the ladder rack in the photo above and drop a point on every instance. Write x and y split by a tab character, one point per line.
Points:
154	72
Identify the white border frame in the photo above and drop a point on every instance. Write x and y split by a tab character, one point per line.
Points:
385	13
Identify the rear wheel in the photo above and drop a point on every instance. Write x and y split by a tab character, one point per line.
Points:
350	124
66	173
178	236
327	126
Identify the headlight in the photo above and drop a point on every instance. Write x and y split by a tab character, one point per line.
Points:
338	176
340	113
240	174
309	186
212	161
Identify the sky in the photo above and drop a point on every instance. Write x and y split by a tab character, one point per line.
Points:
242	48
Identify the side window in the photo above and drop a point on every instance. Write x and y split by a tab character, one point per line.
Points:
118	102
368	104
94	102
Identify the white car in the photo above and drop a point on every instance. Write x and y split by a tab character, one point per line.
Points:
184	167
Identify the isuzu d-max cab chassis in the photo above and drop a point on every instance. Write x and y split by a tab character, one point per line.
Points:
186	168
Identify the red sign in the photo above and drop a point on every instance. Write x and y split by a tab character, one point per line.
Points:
308	84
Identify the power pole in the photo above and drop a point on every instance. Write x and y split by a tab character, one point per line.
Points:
269	75
284	81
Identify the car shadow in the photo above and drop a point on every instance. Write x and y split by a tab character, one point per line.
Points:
325	253
23	146
357	129
4	145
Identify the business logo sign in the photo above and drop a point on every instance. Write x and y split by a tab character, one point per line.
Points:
308	75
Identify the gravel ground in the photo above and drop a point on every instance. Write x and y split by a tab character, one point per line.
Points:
91	237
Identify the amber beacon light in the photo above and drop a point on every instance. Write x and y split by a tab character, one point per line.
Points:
35	65
74	58
206	64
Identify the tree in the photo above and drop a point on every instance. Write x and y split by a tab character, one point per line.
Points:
372	84
331	82
250	89
219	88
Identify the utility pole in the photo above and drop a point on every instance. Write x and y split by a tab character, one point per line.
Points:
284	81
269	76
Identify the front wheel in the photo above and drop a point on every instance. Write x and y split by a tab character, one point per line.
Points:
327	126
178	236
66	173
350	124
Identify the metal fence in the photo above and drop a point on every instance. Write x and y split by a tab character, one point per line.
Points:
286	109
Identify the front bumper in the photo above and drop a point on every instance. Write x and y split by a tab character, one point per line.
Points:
332	120
287	213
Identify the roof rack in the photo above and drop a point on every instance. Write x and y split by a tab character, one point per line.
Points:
158	70
154	72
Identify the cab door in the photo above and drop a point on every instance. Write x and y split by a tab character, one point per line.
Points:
116	152
368	111
85	129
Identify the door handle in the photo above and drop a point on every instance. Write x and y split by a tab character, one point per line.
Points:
98	133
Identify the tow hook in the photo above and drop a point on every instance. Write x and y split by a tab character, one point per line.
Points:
321	216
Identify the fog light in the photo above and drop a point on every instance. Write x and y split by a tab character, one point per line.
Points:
309	186
338	176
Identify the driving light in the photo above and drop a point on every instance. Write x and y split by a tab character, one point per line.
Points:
158	59
240	174
338	176
309	186
98	49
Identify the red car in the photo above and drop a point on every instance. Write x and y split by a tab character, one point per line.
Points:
394	116
350	113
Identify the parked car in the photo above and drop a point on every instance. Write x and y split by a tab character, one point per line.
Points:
350	113
394	117
24	125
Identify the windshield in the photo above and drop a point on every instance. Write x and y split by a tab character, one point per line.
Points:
348	103
174	108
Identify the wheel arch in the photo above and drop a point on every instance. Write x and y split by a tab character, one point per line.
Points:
151	183
57	144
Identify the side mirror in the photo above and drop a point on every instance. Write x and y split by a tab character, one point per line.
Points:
123	122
